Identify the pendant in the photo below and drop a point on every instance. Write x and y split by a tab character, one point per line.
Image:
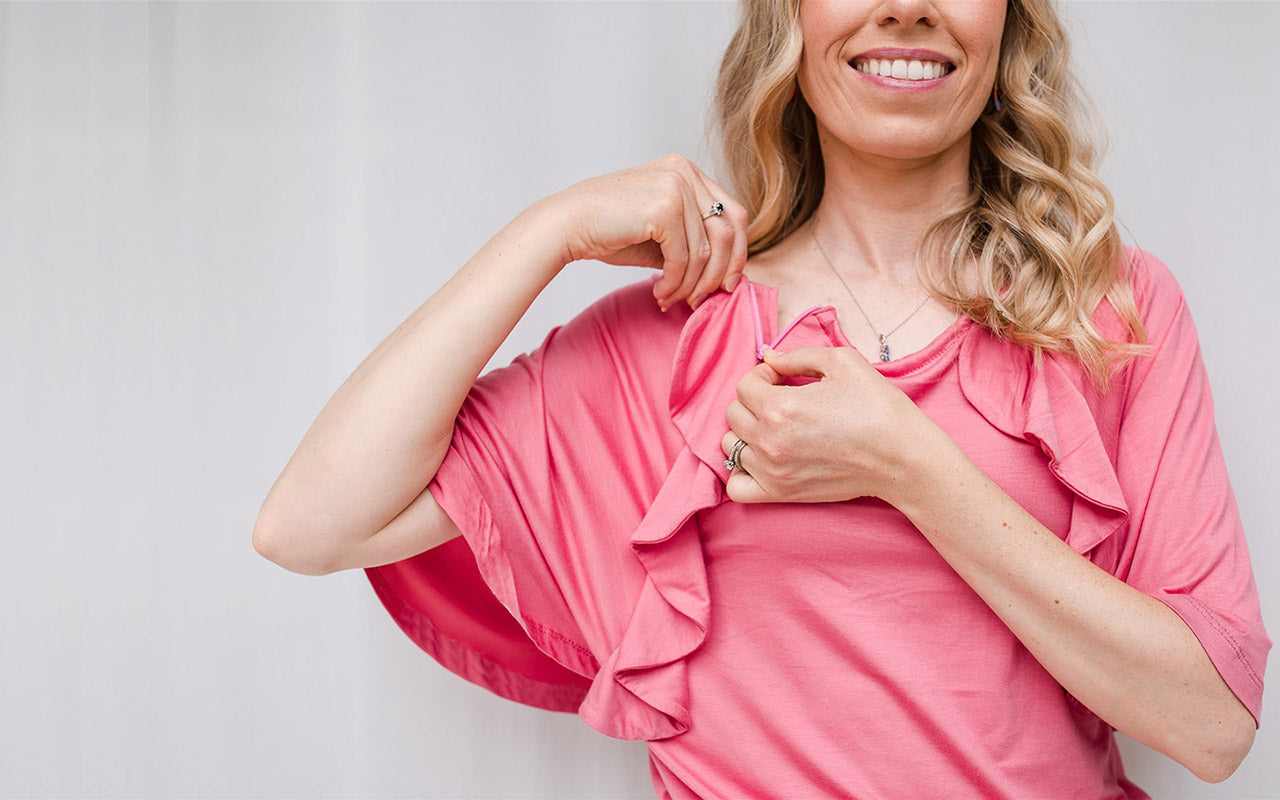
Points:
884	349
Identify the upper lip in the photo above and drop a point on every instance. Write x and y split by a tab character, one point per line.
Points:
908	54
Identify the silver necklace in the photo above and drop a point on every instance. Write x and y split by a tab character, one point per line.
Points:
883	337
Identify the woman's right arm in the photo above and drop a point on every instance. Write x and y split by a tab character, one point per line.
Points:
354	492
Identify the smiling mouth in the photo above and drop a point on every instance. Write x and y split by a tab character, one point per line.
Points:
903	68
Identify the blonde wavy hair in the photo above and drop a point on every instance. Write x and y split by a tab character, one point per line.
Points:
1037	222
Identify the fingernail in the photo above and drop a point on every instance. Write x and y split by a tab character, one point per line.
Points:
732	283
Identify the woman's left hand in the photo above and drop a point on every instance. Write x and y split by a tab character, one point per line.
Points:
849	434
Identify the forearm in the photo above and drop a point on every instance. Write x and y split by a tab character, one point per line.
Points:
1124	654
381	437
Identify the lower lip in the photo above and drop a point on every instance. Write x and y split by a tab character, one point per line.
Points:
901	84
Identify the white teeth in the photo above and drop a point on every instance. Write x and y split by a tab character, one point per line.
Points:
902	69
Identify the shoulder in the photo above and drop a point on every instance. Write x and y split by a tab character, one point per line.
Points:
1169	334
1157	300
1156	293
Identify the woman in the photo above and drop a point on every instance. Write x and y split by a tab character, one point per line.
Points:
922	498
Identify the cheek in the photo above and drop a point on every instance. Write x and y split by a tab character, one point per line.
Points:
979	28
982	26
820	20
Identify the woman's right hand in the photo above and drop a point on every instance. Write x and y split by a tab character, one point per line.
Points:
651	215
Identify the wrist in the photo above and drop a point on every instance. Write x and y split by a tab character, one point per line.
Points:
545	225
536	234
928	462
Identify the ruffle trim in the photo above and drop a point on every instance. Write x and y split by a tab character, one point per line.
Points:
642	689
1046	406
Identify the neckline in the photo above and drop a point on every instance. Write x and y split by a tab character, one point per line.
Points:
766	324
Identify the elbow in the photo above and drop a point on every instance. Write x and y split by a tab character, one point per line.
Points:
285	547
1226	746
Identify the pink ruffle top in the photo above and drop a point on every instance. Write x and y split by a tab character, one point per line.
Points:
806	650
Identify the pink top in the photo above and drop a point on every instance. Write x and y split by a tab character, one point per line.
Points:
814	649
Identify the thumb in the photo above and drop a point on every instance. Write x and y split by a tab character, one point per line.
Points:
803	362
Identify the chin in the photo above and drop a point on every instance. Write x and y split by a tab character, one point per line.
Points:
899	139
907	146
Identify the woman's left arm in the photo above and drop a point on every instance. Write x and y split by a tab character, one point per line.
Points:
1122	653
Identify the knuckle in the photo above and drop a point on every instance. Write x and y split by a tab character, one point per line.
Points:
722	234
672	183
774	417
770	449
661	209
784	409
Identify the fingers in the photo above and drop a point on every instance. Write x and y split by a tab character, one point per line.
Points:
754	387
715	248
728	232
741	486
742	422
727	443
811	362
679	233
762	390
700	251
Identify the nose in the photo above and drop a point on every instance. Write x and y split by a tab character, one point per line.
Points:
907	13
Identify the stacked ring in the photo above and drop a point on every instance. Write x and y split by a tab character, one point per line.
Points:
731	463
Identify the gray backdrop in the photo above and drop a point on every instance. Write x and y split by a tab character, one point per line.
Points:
210	213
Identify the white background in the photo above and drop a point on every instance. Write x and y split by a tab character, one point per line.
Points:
210	213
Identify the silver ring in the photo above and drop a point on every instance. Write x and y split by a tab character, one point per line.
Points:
717	208
731	463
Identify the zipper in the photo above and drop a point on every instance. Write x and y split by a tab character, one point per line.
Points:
755	312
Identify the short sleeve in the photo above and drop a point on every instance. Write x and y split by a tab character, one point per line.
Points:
1187	546
553	461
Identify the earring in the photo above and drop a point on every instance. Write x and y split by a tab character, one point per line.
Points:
995	94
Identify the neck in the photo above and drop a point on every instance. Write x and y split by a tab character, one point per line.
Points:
874	210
